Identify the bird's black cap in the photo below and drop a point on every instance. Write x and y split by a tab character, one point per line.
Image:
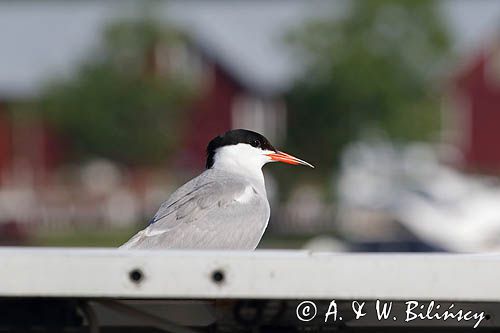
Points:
234	137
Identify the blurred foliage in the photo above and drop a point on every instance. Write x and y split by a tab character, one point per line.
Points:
116	237
122	105
376	68
84	238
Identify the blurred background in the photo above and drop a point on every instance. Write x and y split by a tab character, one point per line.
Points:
106	107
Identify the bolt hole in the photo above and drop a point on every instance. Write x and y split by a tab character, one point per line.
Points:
218	276
136	275
487	317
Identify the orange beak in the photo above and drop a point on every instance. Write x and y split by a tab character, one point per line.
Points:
280	156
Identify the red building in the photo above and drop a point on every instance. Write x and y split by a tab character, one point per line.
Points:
475	113
226	102
5	139
29	150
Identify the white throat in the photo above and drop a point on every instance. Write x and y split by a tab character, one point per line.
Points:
244	160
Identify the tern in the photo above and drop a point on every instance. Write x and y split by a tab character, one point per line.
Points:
225	207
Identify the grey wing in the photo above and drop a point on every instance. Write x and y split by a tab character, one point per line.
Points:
212	215
189	206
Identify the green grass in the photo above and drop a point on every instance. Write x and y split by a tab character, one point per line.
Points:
85	238
116	237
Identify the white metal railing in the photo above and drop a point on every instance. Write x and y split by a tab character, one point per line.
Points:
64	272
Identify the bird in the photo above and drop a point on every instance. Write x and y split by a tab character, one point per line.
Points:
226	206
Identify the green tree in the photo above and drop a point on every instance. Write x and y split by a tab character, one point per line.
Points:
121	104
377	67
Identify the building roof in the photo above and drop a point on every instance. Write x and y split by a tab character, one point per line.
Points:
41	40
248	37
472	23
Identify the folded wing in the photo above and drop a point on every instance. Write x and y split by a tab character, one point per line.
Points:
209	213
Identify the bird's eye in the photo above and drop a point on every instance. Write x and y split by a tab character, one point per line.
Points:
256	143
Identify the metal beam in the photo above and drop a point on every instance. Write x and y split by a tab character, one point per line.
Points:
111	273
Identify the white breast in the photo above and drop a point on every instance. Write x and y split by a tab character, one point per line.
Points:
246	195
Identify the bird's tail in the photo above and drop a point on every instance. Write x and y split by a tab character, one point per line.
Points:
133	242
